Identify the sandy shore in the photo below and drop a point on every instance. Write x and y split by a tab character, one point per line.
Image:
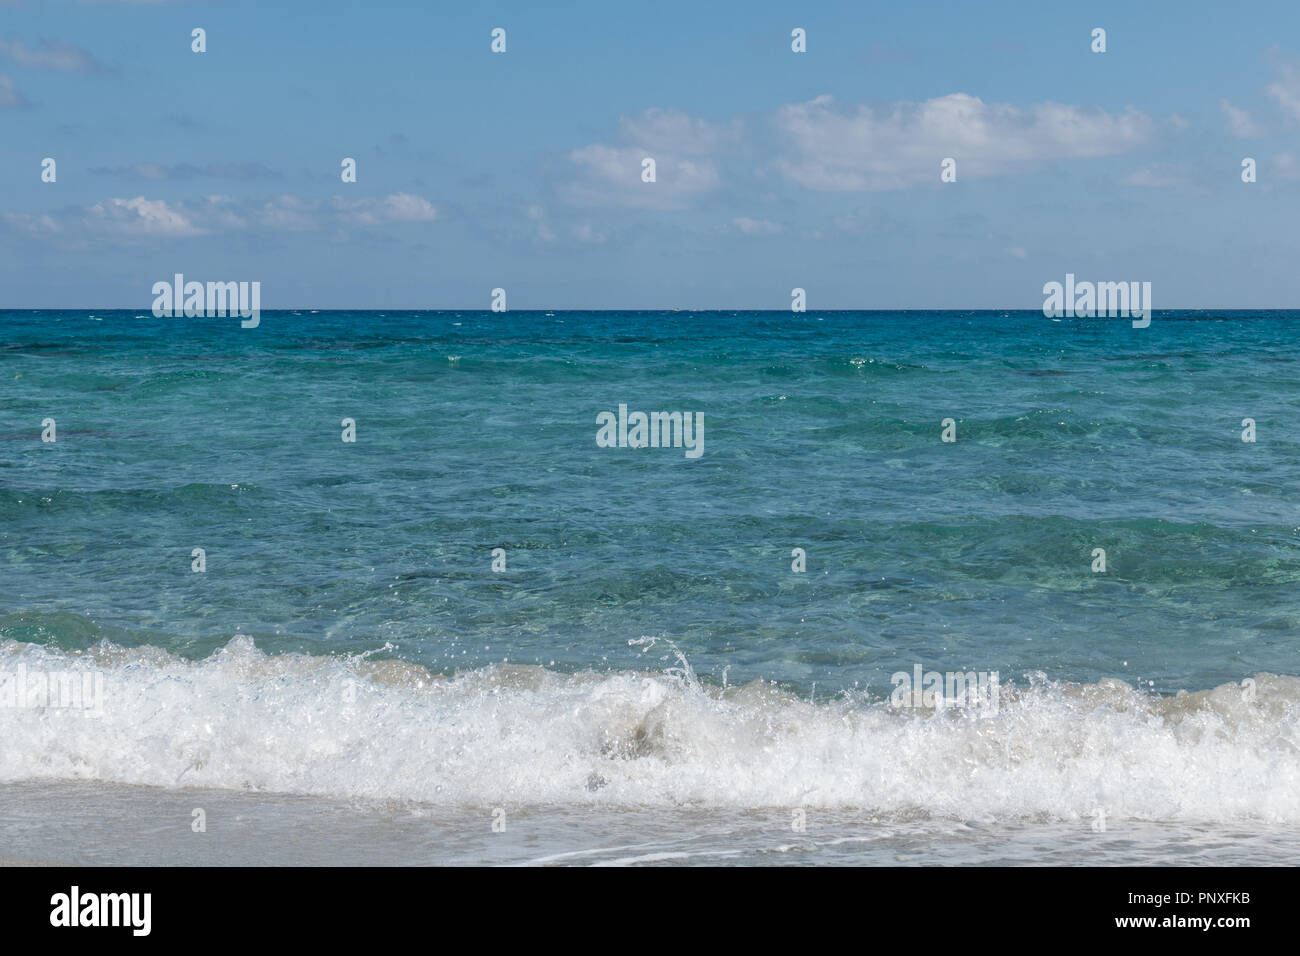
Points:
97	824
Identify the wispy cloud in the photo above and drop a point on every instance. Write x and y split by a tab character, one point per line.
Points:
584	232
681	146
142	218
1285	90
1154	177
1240	123
756	227
398	207
298	214
1286	166
673	131
10	98
612	176
51	55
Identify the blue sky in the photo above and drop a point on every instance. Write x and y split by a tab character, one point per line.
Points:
522	170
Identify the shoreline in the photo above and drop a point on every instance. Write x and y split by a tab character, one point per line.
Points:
65	823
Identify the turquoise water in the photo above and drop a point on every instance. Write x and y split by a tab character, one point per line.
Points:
648	644
477	431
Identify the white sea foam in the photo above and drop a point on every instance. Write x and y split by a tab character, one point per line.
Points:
358	729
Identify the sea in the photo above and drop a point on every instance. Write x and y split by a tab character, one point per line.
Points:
376	587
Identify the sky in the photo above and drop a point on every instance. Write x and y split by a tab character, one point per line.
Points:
522	170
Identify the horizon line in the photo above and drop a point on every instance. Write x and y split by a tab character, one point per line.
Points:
149	312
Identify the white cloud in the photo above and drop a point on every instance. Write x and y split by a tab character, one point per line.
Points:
538	215
902	144
1285	91
682	147
36	225
612	176
139	217
830	148
1240	123
286	212
1286	166
50	55
222	213
9	95
398	207
756	227
674	132
584	233
296	214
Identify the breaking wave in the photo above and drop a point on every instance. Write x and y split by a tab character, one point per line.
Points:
355	728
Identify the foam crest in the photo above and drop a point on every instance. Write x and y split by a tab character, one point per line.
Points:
354	728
